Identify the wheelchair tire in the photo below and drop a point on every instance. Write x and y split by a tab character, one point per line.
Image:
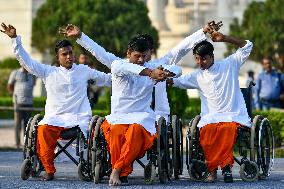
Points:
26	138
191	136
198	171
26	169
262	145
162	150
97	177
249	171
177	147
92	125
149	173
83	172
97	171
36	165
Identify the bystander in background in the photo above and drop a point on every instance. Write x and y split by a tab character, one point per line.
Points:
93	91
21	84
269	87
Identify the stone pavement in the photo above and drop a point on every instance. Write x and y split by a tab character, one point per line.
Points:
7	134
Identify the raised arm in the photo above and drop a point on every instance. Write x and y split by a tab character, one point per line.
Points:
96	50
181	49
121	68
245	46
22	56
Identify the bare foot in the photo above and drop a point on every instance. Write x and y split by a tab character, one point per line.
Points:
47	177
212	177
114	178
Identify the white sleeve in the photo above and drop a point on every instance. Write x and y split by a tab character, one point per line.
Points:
188	81
101	78
96	50
241	55
181	49
121	68
33	67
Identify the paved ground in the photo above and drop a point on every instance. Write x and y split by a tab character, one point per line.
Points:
66	177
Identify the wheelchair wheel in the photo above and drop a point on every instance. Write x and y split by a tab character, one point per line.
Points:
26	169
195	160
97	153
192	139
26	137
30	152
262	146
90	144
249	171
177	146
149	173
162	149
83	172
198	170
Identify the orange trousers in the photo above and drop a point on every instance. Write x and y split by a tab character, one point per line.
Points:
47	137
126	142
217	141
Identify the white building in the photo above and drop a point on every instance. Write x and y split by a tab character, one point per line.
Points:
174	19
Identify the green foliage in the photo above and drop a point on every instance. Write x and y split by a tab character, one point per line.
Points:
263	25
110	23
193	109
5	73
9	63
178	100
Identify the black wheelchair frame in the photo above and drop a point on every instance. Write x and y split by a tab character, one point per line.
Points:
166	154
32	166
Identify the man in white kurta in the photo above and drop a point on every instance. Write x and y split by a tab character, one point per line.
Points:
67	103
131	99
172	57
223	108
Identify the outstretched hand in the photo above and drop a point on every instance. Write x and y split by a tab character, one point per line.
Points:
9	30
210	27
71	31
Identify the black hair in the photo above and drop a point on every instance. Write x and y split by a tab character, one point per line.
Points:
203	48
61	44
268	58
139	44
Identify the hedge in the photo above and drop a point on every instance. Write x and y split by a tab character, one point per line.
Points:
5	73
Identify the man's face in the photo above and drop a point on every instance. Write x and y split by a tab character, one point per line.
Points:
83	59
65	57
266	64
139	58
203	62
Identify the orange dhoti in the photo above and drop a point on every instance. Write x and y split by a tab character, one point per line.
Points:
126	142
47	137
217	141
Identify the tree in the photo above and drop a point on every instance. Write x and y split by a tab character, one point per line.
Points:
263	25
111	23
178	100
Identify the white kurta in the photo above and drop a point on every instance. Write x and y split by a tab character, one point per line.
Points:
219	89
131	96
162	107
67	104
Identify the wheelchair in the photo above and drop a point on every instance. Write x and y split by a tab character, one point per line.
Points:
165	156
32	165
255	145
